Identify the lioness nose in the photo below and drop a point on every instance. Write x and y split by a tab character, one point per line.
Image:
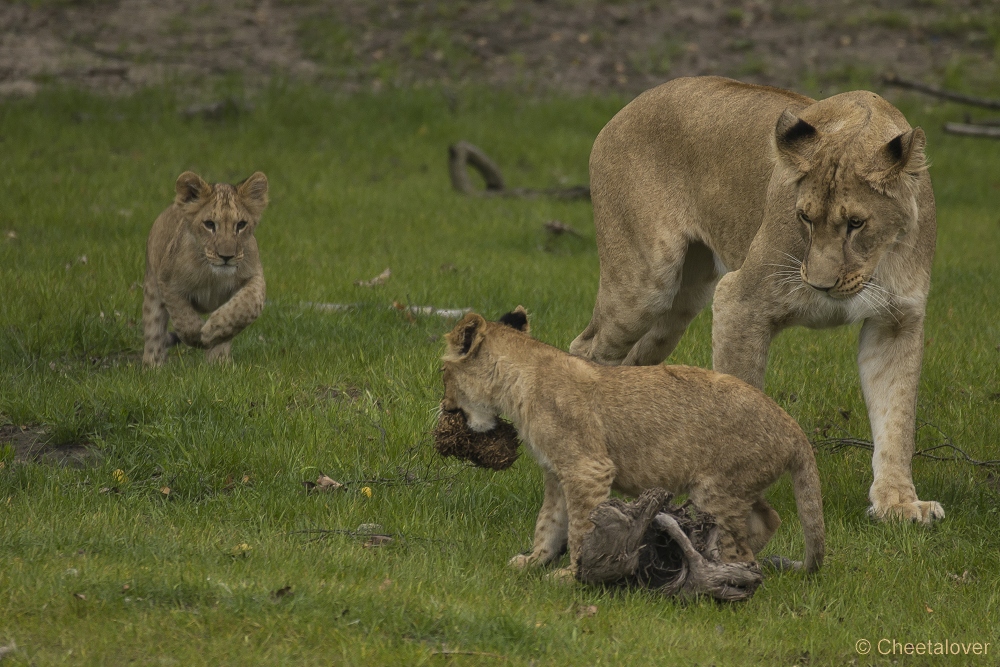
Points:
225	258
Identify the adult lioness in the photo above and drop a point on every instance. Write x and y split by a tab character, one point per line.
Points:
593	428
821	212
201	257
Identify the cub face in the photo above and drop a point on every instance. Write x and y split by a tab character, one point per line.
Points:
222	218
855	198
467	366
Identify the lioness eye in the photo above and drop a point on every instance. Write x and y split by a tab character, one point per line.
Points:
209	225
855	223
805	218
241	225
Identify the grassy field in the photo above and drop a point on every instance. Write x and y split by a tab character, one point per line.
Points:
101	565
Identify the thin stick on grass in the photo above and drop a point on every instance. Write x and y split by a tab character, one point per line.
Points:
936	91
959	454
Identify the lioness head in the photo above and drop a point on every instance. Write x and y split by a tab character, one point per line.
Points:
468	365
856	164
222	217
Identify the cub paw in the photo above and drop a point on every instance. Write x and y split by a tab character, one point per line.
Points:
563	574
918	511
521	561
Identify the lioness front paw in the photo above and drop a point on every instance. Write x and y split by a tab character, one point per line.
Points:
918	511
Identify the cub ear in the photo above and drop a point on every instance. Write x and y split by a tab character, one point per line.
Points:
904	154
795	140
253	192
191	188
464	340
516	319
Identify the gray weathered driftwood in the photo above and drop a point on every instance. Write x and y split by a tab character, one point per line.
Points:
667	548
462	154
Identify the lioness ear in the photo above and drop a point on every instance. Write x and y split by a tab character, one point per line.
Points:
253	192
904	154
467	335
794	138
190	188
516	319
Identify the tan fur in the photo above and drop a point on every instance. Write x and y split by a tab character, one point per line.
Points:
789	212
201	258
595	428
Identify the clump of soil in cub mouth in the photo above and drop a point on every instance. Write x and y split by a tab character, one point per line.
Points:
495	449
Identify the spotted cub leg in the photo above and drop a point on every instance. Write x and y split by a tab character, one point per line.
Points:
154	327
733	517
233	317
218	353
550	529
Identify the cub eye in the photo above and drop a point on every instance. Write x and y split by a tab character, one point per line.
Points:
209	225
241	225
805	218
855	224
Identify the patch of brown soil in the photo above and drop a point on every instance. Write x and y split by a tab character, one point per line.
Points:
30	444
578	46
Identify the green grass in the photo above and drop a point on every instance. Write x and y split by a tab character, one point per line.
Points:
359	184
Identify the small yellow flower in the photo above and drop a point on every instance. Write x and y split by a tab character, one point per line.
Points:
367	490
119	476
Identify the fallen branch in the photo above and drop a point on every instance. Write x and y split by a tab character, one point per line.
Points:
463	153
972	130
958	454
927	88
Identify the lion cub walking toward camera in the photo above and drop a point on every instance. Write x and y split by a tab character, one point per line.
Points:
594	428
201	257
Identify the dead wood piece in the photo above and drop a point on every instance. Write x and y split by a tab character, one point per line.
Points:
668	548
970	130
985	102
495	450
463	153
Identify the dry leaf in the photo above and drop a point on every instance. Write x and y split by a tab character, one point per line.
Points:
79	596
165	490
243	549
282	592
324	483
385	585
557	227
377	541
380	279
125	587
587	612
5	650
928	609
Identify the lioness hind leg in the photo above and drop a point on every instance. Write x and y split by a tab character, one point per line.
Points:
698	279
632	299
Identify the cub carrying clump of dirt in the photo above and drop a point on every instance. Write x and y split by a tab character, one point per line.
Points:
201	258
595	428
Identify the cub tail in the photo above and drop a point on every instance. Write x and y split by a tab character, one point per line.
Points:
809	503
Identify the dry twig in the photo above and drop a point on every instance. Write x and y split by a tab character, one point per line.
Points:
463	153
985	102
958	454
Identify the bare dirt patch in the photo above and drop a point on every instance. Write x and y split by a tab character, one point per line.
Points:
571	46
31	444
